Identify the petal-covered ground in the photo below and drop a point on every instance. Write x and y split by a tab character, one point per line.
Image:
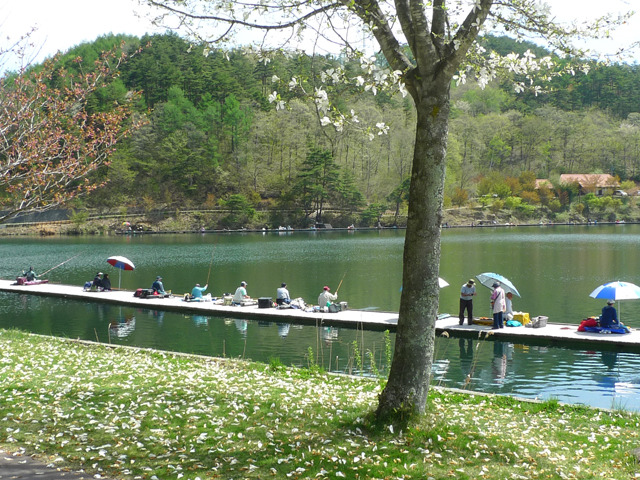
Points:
129	413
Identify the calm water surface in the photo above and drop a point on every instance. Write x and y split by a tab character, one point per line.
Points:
554	268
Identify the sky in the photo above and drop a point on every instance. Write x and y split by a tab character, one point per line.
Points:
63	24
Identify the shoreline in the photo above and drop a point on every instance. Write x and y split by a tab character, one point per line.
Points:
44	229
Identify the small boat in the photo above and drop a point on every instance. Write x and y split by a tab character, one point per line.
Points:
24	281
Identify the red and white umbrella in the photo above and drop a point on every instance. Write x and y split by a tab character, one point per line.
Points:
121	263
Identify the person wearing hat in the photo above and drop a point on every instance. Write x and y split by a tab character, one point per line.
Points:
241	294
158	287
467	292
326	297
609	317
282	295
499	306
97	281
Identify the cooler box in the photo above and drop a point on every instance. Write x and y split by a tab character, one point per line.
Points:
343	306
521	317
334	308
539	322
227	300
265	302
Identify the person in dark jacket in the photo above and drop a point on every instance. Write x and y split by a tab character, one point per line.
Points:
158	287
97	281
106	283
609	317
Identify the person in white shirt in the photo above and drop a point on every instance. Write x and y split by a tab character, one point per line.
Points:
467	292
499	306
241	294
326	297
282	295
508	314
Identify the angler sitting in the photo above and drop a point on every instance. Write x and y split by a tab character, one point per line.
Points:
196	293
158	287
609	317
97	282
106	283
30	275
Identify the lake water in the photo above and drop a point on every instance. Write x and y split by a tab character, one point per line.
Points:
554	268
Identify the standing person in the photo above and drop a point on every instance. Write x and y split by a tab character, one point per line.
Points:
609	316
282	295
467	292
499	306
158	286
326	297
241	294
196	293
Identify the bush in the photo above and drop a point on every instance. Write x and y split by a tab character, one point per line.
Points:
497	205
555	205
512	202
526	211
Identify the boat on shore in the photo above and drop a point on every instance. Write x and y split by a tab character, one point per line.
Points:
24	281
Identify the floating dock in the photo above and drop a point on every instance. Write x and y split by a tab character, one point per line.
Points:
370	320
554	334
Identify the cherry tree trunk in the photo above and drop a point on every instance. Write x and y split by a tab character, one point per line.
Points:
408	384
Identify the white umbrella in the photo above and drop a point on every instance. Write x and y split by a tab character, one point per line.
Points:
488	279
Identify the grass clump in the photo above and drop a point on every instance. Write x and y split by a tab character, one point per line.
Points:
127	413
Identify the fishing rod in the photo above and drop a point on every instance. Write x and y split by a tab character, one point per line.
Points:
211	262
340	284
60	264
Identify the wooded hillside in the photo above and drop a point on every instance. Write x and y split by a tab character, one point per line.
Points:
212	138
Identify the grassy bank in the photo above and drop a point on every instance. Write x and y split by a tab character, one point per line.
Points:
126	413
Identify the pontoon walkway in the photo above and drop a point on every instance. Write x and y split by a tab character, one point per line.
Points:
556	334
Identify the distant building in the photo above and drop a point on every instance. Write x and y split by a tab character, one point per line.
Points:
598	183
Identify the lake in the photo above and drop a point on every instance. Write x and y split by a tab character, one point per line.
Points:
554	267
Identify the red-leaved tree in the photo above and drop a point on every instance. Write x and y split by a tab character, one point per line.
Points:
52	136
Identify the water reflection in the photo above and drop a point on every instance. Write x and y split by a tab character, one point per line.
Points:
123	327
283	329
200	320
466	357
241	326
499	363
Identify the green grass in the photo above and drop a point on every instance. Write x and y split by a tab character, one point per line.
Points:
126	413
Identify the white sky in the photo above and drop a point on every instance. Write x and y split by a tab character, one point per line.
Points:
63	24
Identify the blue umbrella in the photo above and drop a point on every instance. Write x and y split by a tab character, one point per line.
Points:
617	291
488	279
